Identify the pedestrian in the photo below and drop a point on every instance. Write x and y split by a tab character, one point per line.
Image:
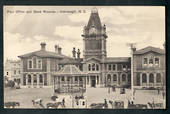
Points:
158	91
63	102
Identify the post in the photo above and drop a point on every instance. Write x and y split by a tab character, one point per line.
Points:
132	46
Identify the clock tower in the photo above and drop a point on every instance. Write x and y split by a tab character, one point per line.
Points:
94	37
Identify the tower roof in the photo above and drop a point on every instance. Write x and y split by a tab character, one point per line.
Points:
94	19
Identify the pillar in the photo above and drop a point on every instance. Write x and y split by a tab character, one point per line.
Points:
154	81
141	84
32	79
147	75
26	76
38	76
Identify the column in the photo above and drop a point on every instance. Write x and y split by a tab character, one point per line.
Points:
43	79
154	81
141	84
147	75
32	79
26	79
38	76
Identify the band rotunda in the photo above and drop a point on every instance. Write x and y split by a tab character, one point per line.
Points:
40	68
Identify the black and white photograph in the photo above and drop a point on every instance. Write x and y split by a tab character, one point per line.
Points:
84	57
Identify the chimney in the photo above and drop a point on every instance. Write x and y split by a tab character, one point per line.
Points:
78	53
74	52
43	44
59	50
56	48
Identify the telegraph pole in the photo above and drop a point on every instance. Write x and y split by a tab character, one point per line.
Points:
132	47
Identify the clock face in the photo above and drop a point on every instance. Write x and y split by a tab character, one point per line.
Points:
92	30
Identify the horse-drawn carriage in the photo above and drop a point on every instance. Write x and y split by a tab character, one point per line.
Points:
11	104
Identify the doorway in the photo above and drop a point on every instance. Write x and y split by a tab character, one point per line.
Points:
93	81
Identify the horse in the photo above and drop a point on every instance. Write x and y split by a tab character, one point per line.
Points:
11	104
55	105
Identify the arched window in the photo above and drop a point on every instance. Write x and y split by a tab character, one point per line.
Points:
97	67
29	78
109	77
89	67
151	78
41	78
158	77
93	67
114	77
144	78
123	77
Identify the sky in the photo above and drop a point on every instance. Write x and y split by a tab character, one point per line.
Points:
25	28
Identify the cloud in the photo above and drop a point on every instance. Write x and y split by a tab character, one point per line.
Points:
142	25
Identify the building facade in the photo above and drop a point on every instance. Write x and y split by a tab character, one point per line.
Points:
38	67
12	70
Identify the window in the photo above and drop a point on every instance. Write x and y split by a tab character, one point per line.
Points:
7	73
34	62
145	61
30	64
19	72
41	78
144	78
108	77
124	67
151	78
80	78
109	67
39	64
157	61
151	61
29	78
97	67
62	79
14	71
123	78
114	67
158	77
114	77
89	67
35	78
76	79
68	79
93	67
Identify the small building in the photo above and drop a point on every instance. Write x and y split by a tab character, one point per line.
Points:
149	67
12	70
69	80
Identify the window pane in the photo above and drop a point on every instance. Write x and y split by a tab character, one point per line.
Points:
123	77
156	61
30	64
97	67
145	61
34	62
93	67
41	79
114	67
150	61
158	77
114	77
144	78
39	64
151	78
89	67
110	67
